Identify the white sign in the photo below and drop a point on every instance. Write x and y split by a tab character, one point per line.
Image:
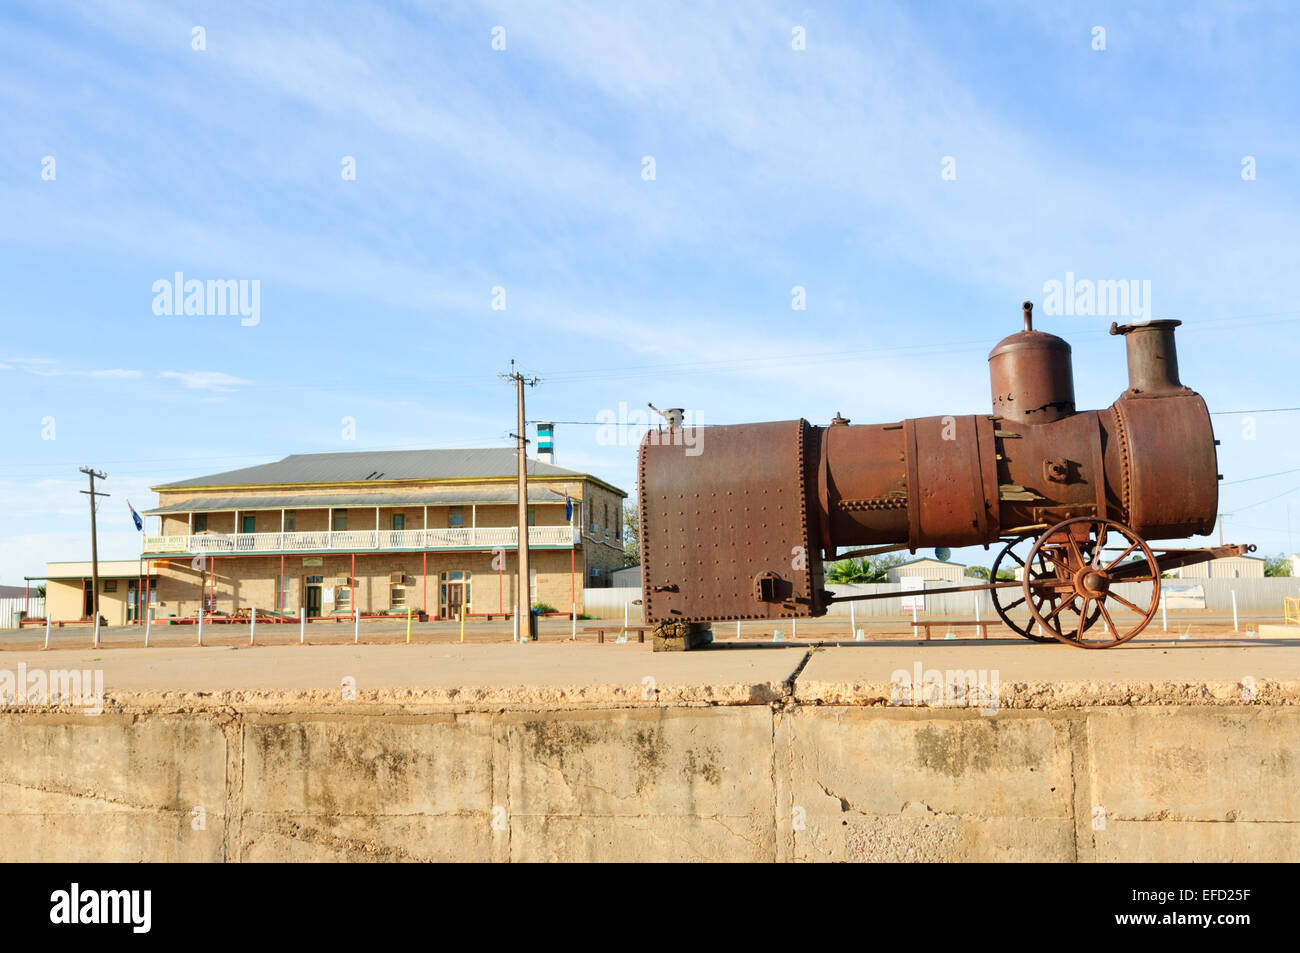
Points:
912	584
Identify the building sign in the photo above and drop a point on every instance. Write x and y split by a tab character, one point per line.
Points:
313	561
913	584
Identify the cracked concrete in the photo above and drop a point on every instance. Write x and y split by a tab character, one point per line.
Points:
614	753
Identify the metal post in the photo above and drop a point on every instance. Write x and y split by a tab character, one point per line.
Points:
302	625
574	636
148	625
47	631
462	622
1164	616
96	640
408	625
200	623
356	618
252	623
1234	610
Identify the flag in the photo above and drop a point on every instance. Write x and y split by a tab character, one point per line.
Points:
139	523
568	506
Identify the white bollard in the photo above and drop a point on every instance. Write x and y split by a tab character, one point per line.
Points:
977	609
148	624
737	629
573	637
514	618
302	626
853	620
1234	610
96	642
794	628
252	623
200	625
1164	615
47	631
913	618
356	624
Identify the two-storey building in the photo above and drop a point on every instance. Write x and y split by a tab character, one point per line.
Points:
373	532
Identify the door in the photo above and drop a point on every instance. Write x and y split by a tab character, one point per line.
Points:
454	593
132	604
312	588
87	599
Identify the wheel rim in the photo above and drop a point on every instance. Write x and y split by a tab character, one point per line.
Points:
1015	555
1083	555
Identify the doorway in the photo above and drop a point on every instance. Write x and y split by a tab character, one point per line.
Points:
454	593
87	599
311	586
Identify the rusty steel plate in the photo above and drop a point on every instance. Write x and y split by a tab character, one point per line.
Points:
728	525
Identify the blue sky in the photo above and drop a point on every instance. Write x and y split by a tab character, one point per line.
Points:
522	169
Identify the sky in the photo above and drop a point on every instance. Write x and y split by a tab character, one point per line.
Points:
753	211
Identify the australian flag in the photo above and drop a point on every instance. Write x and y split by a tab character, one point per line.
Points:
139	523
568	506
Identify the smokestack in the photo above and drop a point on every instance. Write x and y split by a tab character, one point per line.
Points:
1152	357
546	442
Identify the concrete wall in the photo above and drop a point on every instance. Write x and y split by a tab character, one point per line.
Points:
734	782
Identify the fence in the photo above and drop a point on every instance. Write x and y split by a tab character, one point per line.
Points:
1253	596
11	610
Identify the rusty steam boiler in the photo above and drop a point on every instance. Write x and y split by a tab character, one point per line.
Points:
736	521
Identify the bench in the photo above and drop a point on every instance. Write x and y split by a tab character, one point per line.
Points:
600	630
981	626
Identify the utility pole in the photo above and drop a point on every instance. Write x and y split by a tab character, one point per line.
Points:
94	545
523	606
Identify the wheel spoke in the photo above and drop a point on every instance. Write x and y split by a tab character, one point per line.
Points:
1114	562
1078	633
1120	598
1011	605
1114	631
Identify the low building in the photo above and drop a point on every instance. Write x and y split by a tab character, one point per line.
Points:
1229	567
69	591
929	569
375	532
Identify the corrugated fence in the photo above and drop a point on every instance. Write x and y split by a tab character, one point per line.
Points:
11	610
1253	595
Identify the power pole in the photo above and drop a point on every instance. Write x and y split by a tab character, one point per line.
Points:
523	605
94	542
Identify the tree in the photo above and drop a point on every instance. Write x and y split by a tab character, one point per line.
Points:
943	554
1277	566
631	535
864	569
977	572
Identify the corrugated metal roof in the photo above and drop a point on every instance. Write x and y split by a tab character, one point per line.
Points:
448	496
379	465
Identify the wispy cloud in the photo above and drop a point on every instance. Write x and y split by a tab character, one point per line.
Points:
217	381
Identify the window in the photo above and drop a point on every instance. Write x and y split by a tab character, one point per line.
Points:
532	515
340	519
249	524
455	516
282	594
342	598
399	521
290	521
110	585
397	596
200	522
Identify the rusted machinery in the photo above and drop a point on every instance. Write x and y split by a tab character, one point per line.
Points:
736	521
